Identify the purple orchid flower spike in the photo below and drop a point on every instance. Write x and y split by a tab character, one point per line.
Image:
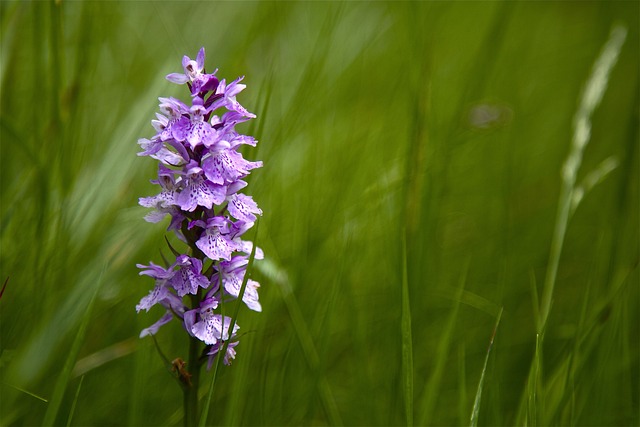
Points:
200	174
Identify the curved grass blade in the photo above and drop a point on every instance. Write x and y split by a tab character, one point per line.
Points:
591	97
75	400
476	404
27	392
430	393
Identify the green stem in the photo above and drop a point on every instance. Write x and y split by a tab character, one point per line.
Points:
557	242
591	97
191	414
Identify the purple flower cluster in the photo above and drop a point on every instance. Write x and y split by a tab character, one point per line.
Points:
200	173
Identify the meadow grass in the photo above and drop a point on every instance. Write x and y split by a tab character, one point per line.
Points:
427	262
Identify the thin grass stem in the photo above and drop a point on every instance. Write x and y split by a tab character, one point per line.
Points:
536	372
223	350
75	401
431	391
591	97
476	404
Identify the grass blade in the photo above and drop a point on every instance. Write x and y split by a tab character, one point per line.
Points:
407	344
75	400
476	404
462	385
591	97
223	350
430	393
532	389
27	392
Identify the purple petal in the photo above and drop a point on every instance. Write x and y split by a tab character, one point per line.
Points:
149	146
210	329
188	278
168	157
155	216
215	349
239	228
234	88
200	59
153	329
208	83
155	271
236	186
185	61
179	129
156	295
180	149
160	123
243	139
200	192
215	245
247	246
233	284
178	78
243	208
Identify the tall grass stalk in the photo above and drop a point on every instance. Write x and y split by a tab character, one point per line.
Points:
570	195
591	97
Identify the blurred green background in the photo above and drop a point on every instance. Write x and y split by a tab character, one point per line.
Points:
439	128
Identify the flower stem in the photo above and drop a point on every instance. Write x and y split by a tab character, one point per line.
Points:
193	365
